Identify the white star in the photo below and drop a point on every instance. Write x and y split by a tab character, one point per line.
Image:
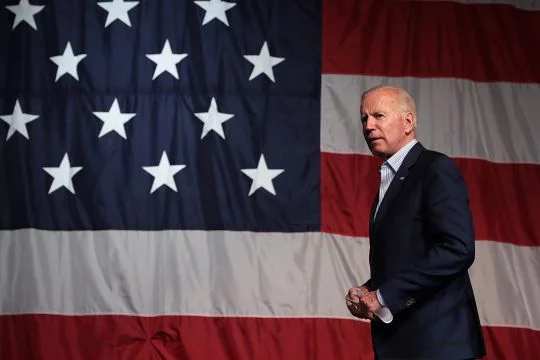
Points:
215	9
262	176
263	63
62	175
213	120
163	173
17	121
114	120
118	10
166	61
67	63
25	12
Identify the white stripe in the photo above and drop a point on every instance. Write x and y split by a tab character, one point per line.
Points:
462	118
505	281
227	274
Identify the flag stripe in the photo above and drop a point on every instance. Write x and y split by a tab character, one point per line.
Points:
433	39
519	4
511	343
226	274
186	337
498	194
461	118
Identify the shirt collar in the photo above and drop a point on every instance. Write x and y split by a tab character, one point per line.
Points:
394	161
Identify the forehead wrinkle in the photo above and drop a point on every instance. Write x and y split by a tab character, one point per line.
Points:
382	104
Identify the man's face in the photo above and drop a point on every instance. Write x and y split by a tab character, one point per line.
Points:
385	124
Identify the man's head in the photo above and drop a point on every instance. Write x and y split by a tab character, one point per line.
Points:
388	119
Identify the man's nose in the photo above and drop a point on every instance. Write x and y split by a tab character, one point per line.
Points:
369	124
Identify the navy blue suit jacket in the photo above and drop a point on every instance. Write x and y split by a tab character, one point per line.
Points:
421	247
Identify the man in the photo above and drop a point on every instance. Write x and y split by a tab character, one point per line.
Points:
419	297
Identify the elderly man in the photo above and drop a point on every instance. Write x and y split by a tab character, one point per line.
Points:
419	296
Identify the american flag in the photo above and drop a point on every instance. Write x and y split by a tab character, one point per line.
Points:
188	179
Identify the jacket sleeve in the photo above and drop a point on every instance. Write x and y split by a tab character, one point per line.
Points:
367	284
449	222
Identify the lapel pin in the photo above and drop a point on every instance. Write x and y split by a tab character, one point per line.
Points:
402	178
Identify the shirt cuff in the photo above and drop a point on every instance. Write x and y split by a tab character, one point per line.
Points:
380	298
384	313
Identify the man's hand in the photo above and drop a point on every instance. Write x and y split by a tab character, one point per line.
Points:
355	306
370	302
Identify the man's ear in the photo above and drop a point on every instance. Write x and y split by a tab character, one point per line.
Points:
409	123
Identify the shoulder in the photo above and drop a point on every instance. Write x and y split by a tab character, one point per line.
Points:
429	162
442	172
437	161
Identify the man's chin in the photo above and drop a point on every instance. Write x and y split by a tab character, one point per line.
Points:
377	152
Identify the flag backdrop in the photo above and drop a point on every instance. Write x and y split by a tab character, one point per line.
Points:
188	179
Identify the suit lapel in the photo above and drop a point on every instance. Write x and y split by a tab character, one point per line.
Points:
372	214
395	186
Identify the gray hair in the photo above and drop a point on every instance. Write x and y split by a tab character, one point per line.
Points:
404	98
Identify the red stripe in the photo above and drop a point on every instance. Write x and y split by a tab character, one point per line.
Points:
505	198
511	343
431	39
178	337
183	337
